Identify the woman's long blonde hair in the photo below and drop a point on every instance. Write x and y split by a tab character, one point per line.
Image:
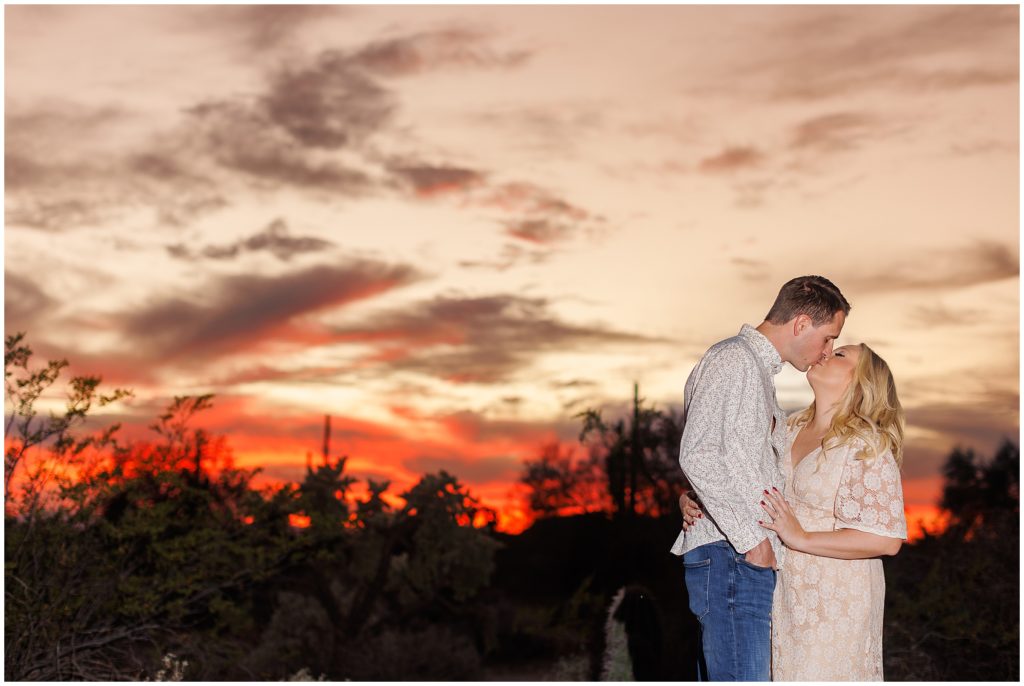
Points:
869	410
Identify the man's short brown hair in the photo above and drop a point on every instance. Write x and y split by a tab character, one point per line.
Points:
815	296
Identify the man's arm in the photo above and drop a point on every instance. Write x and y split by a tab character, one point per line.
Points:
712	453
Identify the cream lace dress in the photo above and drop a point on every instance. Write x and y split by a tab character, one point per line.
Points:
827	613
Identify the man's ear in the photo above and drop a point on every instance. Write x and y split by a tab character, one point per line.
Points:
801	323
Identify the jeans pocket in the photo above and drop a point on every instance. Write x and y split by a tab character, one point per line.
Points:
755	589
698	586
741	559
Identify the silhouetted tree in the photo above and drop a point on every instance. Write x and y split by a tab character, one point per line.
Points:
45	447
953	598
982	497
632	467
56	581
559	482
644	443
164	546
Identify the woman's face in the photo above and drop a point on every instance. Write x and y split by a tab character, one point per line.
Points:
835	372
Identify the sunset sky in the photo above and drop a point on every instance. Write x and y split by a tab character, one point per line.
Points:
454	228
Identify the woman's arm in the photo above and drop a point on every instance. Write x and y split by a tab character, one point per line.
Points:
847	544
844	544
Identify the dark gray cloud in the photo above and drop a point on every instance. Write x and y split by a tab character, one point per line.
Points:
65	197
56	215
22	172
574	383
419	52
254	32
975	263
125	369
980	425
884	48
268	26
752	270
57	182
984	147
311	127
731	160
274	239
329	104
25	303
541	219
236	313
243	138
275	139
478	340
426	180
283	136
532	200
336	101
558	130
46	193
751	192
32	128
955	79
800	155
930	316
161	165
965	424
262	373
539	231
511	255
831	132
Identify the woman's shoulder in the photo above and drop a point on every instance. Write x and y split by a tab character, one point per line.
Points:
859	448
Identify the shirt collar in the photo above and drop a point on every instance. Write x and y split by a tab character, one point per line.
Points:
765	350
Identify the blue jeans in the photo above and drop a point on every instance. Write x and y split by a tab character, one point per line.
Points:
732	600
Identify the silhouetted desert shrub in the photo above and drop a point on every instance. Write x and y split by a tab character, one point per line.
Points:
299	635
430	653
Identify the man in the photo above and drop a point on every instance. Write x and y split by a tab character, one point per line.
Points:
733	438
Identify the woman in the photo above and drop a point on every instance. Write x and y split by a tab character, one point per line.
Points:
842	508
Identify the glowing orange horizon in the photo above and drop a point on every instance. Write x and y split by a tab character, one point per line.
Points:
922	519
512	515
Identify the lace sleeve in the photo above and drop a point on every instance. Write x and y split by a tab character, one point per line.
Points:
870	497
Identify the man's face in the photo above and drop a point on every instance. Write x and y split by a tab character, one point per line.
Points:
813	343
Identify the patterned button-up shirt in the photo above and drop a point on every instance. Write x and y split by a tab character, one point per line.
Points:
729	451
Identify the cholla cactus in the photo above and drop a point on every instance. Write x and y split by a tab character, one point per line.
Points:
569	668
304	675
616	664
174	669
